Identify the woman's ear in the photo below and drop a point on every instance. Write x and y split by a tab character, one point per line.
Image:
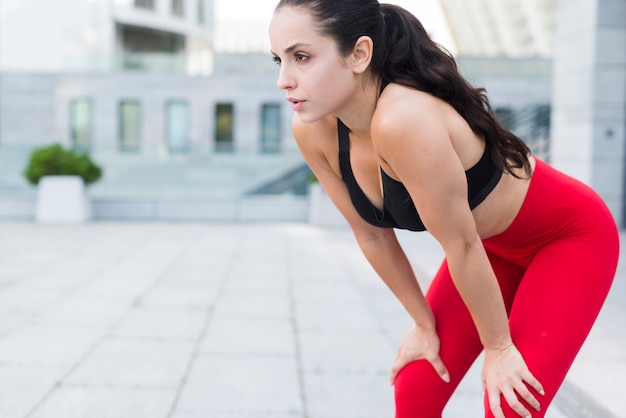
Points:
362	54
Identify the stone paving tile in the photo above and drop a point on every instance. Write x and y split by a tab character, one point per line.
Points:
255	304
18	403
323	316
597	363
158	323
9	323
79	402
336	395
242	384
176	296
346	352
49	345
134	363
128	286
249	336
23	386
262	282
26	302
254	414
79	311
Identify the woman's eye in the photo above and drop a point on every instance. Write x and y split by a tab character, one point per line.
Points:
276	60
301	57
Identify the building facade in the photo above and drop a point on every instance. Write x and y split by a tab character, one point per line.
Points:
106	35
138	84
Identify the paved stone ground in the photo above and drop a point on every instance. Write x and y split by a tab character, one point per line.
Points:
222	321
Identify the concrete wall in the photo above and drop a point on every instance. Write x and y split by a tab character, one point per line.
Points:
34	108
245	209
589	96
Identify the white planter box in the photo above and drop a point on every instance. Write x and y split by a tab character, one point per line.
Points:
62	199
322	210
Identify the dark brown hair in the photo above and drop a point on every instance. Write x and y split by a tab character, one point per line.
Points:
405	54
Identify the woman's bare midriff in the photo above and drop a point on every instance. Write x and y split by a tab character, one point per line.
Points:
505	200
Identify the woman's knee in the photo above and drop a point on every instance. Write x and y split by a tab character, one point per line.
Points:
420	392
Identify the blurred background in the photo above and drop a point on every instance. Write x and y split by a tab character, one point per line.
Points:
176	99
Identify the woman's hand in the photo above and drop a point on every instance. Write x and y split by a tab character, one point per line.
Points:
419	344
504	373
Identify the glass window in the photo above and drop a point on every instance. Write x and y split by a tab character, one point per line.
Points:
81	123
270	127
177	125
224	122
144	4
129	125
151	50
178	8
201	12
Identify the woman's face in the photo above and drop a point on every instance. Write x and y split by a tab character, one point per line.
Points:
317	80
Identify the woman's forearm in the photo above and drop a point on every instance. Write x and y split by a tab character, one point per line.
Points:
390	262
476	282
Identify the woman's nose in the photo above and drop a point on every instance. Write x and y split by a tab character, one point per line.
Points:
285	80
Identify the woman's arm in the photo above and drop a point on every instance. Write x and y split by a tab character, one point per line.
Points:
317	143
379	245
412	139
413	143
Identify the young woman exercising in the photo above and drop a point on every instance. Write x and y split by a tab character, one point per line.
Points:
399	139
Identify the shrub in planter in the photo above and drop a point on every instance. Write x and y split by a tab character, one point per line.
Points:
61	177
53	160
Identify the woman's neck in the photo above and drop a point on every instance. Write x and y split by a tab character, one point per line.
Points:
357	114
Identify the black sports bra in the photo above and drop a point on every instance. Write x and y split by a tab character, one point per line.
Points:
398	208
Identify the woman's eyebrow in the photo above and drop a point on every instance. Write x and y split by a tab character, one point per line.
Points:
293	47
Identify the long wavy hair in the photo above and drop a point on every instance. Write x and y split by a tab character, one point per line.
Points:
405	54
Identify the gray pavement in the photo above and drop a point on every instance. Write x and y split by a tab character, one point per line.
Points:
285	320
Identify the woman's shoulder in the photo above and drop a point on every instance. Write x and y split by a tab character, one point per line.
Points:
401	110
400	100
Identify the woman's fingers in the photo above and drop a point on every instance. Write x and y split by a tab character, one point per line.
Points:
394	371
533	382
512	396
525	394
436	362
506	375
494	403
440	368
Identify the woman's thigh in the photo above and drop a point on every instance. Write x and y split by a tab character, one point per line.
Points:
556	305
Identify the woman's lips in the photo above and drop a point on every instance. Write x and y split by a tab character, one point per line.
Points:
296	104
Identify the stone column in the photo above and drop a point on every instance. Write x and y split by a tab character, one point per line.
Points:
589	96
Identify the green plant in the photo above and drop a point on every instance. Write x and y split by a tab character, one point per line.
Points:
53	160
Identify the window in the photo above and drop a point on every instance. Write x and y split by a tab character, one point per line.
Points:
224	127
144	4
177	126
201	12
80	123
129	125
270	127
178	8
151	50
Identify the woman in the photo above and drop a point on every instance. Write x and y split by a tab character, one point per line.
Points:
400	140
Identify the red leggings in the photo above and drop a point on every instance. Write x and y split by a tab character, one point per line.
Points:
555	265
